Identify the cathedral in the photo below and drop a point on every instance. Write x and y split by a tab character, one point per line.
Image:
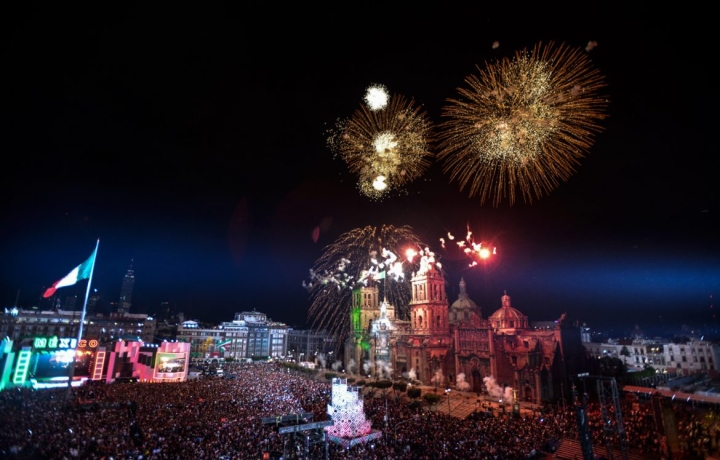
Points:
452	345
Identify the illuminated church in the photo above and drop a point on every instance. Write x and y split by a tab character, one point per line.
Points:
440	341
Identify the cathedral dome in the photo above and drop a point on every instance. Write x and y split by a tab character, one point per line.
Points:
463	302
508	317
464	309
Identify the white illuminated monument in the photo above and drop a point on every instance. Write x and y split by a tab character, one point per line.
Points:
346	410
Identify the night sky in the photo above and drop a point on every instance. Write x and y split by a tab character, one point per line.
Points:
192	141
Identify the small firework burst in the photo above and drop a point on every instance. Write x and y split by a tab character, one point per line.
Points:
477	252
387	149
376	97
523	123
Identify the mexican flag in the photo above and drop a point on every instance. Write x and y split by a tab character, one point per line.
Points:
81	272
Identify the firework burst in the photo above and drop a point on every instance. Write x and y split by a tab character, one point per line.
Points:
477	252
361	257
522	124
376	97
387	149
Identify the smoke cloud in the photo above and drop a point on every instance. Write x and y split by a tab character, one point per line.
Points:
438	377
498	392
385	370
462	384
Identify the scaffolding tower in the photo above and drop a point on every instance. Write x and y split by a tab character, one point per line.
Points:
612	419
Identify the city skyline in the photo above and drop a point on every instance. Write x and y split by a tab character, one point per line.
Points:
194	143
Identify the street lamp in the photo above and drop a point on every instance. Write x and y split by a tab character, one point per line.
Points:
447	392
386	414
396	425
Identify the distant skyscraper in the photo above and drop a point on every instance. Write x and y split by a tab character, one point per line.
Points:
93	302
126	291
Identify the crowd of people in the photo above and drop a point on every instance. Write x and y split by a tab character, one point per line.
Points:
223	418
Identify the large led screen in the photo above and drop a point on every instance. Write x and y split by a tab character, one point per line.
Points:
170	365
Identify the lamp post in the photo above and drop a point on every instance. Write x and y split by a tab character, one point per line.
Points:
447	392
386	414
396	425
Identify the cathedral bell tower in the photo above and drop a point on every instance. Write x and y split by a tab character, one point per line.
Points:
429	344
365	309
429	304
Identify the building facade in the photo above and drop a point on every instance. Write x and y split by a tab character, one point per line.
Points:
692	357
310	345
445	344
22	325
250	335
666	357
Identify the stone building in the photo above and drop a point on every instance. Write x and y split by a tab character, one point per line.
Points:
446	344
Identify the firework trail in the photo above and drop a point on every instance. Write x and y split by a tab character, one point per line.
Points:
385	143
358	258
476	252
522	124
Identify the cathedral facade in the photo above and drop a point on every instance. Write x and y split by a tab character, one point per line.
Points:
445	344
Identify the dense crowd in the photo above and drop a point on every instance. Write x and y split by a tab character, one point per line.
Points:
222	418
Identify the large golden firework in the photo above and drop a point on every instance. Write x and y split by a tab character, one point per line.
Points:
387	147
523	123
360	257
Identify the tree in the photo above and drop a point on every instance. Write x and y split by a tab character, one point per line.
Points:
399	387
432	398
383	385
414	393
625	352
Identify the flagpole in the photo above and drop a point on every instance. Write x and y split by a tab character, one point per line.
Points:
82	321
